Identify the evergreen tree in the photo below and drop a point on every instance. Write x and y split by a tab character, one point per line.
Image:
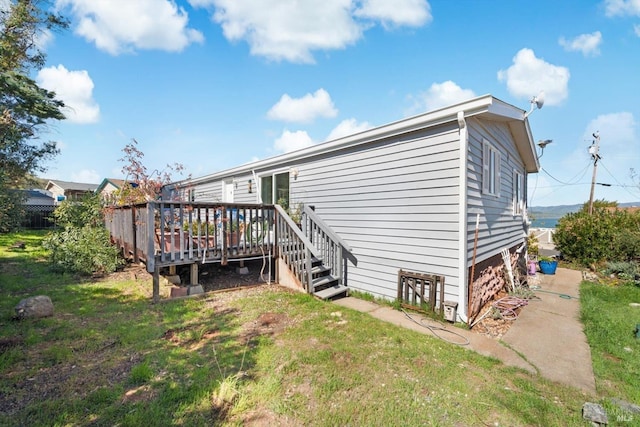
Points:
25	108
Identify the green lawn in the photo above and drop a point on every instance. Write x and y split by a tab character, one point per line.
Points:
610	321
260	356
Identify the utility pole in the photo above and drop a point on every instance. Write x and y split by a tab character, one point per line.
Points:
593	150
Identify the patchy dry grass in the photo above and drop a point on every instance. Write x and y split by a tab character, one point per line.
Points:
259	357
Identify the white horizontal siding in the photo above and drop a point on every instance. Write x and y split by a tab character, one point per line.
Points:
499	228
395	202
208	192
211	191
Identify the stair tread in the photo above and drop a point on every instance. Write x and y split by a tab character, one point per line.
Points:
330	292
324	280
320	269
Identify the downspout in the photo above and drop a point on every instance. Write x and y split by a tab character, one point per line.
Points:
258	192
463	281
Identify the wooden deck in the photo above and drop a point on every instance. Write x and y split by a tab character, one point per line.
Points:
166	234
163	234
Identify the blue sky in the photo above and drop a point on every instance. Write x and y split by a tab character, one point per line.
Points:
212	84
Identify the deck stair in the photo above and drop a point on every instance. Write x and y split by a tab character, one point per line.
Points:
314	254
325	285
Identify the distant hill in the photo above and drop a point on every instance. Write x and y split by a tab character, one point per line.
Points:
541	212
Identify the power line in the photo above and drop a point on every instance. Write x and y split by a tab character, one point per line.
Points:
583	172
563	184
620	184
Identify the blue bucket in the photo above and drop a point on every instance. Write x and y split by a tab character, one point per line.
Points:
548	267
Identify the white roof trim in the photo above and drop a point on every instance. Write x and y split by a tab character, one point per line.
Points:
483	105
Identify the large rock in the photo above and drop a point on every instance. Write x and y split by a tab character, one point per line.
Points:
34	307
594	413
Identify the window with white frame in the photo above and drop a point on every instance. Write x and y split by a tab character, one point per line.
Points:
518	192
274	188
490	169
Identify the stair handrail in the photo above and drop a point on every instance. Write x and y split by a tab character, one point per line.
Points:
297	231
309	248
329	231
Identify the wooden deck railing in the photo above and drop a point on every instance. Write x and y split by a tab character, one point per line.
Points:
173	233
164	234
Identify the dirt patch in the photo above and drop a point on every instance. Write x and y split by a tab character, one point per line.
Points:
130	271
267	324
10	342
143	393
98	370
215	277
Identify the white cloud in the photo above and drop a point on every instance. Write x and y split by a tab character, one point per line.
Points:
88	176
43	39
348	127
292	141
75	89
529	75
291	30
622	7
118	26
305	109
588	44
440	95
412	13
619	153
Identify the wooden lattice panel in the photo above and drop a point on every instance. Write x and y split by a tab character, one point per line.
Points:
420	290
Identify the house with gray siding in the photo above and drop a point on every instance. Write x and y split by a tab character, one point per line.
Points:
407	195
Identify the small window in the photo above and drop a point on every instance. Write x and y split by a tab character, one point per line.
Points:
490	170
518	193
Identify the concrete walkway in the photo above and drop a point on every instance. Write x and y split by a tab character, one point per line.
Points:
546	339
550	335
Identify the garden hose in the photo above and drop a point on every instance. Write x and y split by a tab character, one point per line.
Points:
434	330
561	295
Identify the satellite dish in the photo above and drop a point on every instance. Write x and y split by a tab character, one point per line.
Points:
539	100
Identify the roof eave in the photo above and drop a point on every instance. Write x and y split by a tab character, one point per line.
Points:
485	105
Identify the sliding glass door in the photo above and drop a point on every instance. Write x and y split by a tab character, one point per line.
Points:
274	189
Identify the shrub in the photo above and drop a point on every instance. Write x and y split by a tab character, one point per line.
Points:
532	245
83	244
627	244
606	235
624	270
11	207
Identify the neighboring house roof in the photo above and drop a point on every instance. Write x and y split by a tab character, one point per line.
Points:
485	106
117	183
35	197
71	186
35	194
628	209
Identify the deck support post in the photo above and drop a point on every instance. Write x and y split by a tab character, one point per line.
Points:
194	274
156	284
172	270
